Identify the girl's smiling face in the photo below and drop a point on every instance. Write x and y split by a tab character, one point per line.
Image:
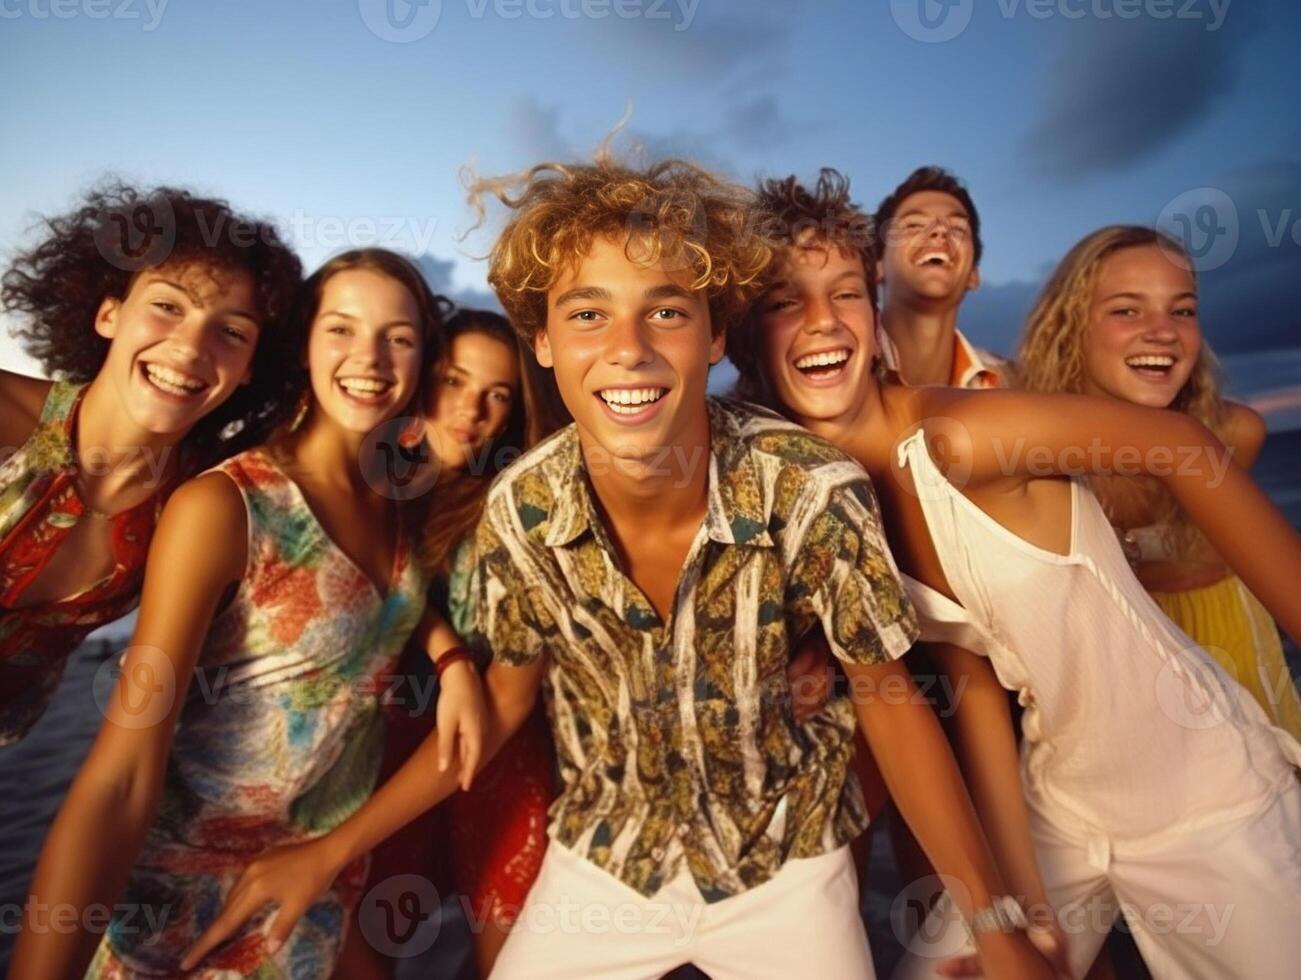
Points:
180	342
476	386
364	349
1143	335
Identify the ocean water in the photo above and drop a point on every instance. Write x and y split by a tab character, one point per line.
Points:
35	773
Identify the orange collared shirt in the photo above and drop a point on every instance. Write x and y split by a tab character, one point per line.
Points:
972	367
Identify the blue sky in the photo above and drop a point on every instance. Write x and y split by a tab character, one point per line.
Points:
1062	115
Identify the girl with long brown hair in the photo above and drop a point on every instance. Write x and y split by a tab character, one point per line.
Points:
1118	318
487	402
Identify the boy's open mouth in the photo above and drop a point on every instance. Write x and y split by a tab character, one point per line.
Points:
824	365
935	258
631	402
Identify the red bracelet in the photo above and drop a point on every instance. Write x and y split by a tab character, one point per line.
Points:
452	656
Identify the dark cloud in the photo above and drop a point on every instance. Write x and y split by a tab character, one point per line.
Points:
1253	301
994	315
695	37
1121	90
753	124
438	273
1250	303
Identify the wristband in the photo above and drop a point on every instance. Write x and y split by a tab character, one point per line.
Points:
454	655
1003	914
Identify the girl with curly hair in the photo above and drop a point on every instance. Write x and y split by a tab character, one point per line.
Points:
160	315
1147	778
280	588
1118	319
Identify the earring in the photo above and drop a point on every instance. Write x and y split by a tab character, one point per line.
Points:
300	411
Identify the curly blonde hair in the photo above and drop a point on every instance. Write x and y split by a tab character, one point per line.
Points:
1051	358
672	212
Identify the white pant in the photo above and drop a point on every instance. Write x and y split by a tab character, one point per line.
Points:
579	921
1212	904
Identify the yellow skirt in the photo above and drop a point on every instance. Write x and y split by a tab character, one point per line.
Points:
1233	627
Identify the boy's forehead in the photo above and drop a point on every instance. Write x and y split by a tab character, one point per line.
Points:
818	252
932	202
620	266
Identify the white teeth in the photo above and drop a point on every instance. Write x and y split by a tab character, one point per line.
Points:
629	401
1151	361
825	359
172	381
364	386
929	256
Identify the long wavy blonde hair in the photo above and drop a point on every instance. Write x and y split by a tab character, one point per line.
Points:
1051	358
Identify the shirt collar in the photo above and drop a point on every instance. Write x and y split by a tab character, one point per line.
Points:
736	513
969	370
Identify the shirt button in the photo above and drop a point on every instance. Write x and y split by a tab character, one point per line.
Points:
657	853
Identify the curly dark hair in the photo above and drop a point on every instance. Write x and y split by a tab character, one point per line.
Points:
792	213
929	179
97	250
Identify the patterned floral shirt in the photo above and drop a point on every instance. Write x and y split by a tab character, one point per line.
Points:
676	740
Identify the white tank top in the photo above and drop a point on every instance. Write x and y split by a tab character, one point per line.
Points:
1129	725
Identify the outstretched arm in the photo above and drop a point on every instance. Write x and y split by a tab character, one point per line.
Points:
191	564
906	739
1012	436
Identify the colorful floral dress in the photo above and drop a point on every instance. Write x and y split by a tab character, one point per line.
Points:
39	507
280	740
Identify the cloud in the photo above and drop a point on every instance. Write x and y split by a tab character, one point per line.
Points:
994	314
1122	90
438	273
756	123
1251	303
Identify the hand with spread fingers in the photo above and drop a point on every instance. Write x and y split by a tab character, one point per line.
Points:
290	877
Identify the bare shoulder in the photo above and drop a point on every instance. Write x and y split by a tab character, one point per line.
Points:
21	401
205	520
1245	431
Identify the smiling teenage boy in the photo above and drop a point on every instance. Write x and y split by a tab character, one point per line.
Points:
661	556
929	253
656	561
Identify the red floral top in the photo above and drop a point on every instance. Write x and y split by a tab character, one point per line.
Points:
39	506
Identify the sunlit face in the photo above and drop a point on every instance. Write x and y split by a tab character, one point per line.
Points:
631	345
930	254
364	349
475	388
180	343
817	333
1143	334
